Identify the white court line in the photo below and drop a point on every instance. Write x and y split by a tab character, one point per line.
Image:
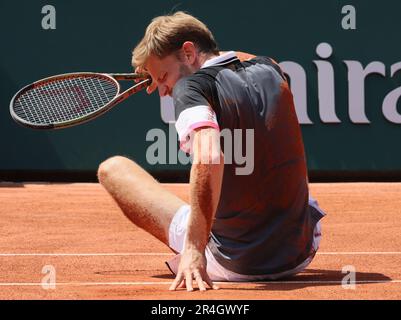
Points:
166	254
361	253
84	254
83	284
34	284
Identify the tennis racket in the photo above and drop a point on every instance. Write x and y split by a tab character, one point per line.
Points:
70	99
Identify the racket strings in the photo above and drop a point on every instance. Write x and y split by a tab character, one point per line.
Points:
65	99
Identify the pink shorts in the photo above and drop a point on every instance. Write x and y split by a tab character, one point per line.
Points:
217	272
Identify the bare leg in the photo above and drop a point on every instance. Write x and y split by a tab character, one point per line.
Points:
142	199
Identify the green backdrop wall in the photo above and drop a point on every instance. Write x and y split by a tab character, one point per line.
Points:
99	36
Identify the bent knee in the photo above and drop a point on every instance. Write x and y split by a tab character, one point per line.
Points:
111	166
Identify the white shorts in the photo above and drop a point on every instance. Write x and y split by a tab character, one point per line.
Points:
216	271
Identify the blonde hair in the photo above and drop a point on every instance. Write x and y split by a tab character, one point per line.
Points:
166	35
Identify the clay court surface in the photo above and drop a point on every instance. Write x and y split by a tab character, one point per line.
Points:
98	254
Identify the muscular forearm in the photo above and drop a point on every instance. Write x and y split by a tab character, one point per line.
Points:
205	184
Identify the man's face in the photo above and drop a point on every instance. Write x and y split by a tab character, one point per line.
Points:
166	72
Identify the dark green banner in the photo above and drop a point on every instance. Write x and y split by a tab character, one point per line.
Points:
342	58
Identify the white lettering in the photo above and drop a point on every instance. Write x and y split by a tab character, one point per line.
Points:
349	21
348	282
49	280
156	152
356	87
390	101
49	20
326	90
248	159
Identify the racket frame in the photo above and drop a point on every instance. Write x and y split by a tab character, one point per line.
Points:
145	80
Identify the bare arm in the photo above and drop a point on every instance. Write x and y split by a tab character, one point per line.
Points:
205	184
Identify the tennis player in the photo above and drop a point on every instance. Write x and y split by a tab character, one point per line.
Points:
259	225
